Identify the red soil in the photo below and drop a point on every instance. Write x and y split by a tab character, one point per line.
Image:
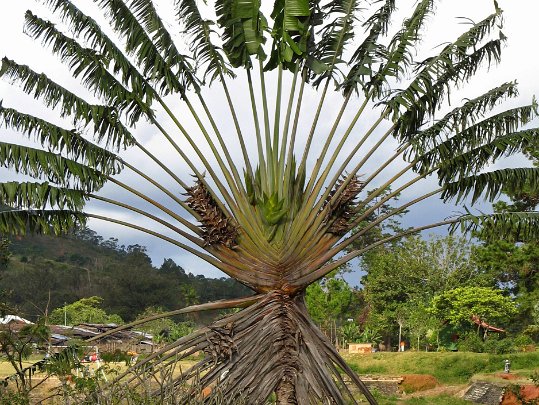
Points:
417	382
527	393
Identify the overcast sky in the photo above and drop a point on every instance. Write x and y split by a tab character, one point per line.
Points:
520	62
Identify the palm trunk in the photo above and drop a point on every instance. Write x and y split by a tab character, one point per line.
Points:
286	393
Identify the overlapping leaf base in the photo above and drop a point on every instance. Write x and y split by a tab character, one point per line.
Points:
270	347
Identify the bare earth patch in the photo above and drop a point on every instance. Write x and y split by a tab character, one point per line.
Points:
527	393
451	390
417	382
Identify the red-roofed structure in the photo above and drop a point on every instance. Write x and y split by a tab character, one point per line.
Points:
484	325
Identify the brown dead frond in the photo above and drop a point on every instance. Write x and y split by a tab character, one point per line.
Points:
339	211
216	227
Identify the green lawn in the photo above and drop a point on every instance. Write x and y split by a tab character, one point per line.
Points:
6	369
448	368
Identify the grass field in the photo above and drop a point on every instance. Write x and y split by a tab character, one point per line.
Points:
452	370
6	369
448	368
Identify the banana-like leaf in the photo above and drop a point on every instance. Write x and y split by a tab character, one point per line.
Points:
460	117
420	103
370	51
147	54
61	140
41	164
243	24
90	66
290	32
145	12
478	134
47	222
398	56
334	37
106	123
204	50
30	195
492	184
435	75
516	226
476	159
83	26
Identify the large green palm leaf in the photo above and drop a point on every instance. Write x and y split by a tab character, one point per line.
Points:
284	223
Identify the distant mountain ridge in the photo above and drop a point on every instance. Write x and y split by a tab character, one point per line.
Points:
46	272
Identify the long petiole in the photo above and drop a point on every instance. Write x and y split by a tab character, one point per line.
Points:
269	153
199	242
284	140
246	159
261	159
276	131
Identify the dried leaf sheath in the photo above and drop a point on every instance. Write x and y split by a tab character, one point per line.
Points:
217	229
275	341
339	211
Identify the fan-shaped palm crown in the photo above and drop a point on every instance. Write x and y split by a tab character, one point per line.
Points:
269	217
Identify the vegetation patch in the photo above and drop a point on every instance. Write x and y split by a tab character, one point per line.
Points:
446	367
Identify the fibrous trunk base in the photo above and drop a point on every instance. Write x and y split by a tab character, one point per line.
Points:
270	347
285	393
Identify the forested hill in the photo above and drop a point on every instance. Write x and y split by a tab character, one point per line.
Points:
45	269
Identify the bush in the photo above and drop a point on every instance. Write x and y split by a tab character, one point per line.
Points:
13	398
494	345
533	332
471	342
523	343
115	357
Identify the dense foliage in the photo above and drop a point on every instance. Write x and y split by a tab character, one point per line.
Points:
57	271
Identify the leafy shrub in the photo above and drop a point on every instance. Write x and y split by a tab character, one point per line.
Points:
523	343
533	332
369	336
13	398
499	346
117	356
471	342
350	332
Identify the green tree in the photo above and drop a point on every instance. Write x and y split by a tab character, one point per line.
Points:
4	260
514	260
4	253
459	305
332	299
47	272
515	267
163	329
276	228
17	346
402	279
420	323
85	310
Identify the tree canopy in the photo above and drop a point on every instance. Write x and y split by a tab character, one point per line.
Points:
46	272
85	310
459	305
